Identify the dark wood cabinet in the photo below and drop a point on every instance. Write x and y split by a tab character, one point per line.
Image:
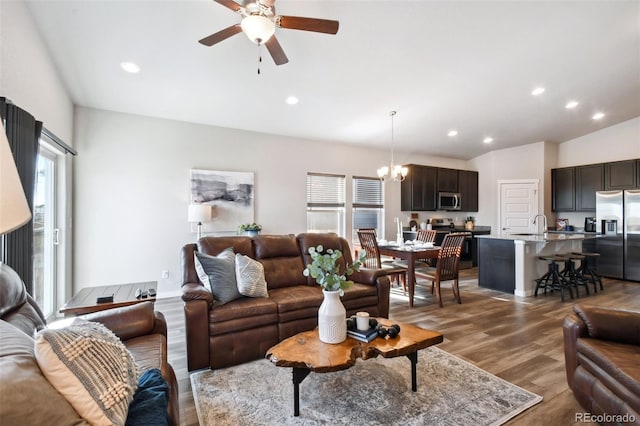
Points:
563	186
589	179
620	175
468	188
418	190
447	180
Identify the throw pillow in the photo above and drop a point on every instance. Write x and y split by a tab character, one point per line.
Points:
219	274
149	406
91	368
250	277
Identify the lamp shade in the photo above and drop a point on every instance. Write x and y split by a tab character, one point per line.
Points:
14	210
199	212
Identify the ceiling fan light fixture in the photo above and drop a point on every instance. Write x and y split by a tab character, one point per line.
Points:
258	28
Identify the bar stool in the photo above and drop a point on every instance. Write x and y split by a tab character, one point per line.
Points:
587	272
570	273
552	279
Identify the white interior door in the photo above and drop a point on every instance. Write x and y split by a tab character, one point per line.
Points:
518	206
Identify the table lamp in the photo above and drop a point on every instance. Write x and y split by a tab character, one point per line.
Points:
14	210
199	213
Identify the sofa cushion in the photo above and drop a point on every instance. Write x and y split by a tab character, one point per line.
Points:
218	273
250	277
280	256
149	405
91	367
297	298
214	245
26	397
16	306
242	314
618	360
149	351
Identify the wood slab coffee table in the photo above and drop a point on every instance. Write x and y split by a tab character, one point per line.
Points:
305	353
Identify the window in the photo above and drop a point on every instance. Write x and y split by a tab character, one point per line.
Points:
325	203
368	205
45	232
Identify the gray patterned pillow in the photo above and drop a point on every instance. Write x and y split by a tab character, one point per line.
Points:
219	274
91	368
250	277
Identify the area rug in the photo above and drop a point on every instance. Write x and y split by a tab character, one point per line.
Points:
377	391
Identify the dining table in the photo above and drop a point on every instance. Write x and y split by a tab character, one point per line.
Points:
411	253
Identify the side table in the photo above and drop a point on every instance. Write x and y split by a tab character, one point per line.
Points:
85	301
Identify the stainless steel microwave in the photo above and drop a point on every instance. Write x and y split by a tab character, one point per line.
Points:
448	201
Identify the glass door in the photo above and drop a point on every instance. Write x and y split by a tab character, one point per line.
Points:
45	232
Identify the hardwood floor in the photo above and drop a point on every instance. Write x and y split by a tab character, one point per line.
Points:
519	340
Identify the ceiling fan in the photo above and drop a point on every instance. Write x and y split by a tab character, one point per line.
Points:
259	21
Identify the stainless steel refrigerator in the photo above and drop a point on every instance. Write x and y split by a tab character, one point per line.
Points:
618	220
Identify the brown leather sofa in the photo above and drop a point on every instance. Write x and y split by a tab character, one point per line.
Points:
602	356
142	330
244	329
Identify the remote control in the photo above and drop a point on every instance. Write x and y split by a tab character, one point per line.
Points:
151	292
105	299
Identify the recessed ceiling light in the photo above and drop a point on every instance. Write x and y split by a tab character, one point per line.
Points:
571	104
452	133
291	100
598	115
130	67
487	140
538	91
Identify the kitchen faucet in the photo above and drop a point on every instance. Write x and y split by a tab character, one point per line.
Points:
545	222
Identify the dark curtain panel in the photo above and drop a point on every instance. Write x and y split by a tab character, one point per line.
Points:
23	132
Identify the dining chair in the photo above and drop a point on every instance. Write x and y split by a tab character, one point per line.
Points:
447	266
426	235
369	244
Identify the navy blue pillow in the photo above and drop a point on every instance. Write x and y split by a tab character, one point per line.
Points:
149	405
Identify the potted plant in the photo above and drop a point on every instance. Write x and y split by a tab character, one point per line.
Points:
332	315
250	229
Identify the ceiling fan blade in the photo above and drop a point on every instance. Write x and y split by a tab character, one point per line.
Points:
308	24
276	51
230	4
221	35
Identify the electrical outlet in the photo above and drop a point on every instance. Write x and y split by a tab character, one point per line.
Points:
165	273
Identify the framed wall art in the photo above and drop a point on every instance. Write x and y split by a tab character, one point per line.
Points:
232	195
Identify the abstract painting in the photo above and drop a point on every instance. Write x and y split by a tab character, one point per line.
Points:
230	192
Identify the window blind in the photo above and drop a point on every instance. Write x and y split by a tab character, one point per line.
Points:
325	190
367	193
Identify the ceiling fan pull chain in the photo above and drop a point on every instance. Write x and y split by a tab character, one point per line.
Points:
259	58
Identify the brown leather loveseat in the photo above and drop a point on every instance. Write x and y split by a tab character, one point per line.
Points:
26	397
244	329
602	356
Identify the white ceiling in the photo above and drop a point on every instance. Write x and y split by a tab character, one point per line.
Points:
442	65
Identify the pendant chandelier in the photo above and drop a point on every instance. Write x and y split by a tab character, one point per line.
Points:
396	173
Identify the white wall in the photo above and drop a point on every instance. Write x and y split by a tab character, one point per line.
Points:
28	76
132	188
615	143
521	162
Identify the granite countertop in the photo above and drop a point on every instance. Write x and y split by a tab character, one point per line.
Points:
543	237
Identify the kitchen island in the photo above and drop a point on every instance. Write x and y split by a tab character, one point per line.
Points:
509	262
